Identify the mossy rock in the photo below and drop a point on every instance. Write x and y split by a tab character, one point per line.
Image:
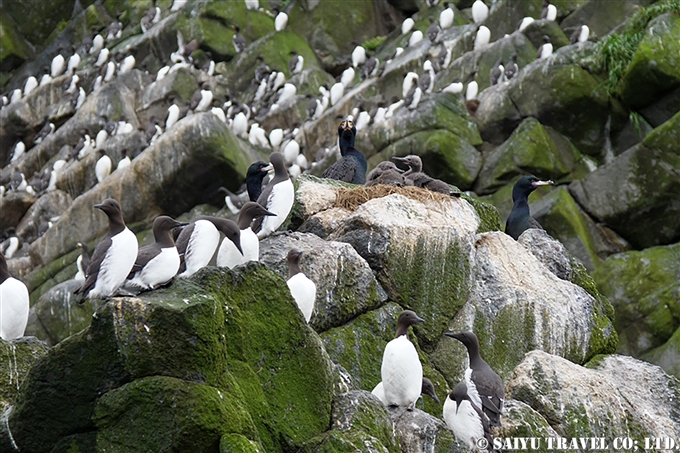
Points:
643	288
238	443
14	49
58	315
630	194
72	375
441	111
566	98
17	358
667	356
275	48
665	137
188	416
182	332
520	420
655	68
330	31
531	149
445	156
359	345
506	14
560	215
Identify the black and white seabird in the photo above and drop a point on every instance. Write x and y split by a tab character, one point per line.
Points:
426	82
479	11
466	419
484	386
103	167
546	49
82	262
446	16
301	287
113	256
296	63
14	304
277	198
482	37
228	255
370	67
496	73
434	31
520	218
401	370
156	263
549	11
511	69
197	242
580	34
238	40
427	388
352	165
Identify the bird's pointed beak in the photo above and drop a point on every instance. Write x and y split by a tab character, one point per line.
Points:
419	320
543	183
452	335
399	159
238	246
181	224
99	206
436	398
400	170
269	213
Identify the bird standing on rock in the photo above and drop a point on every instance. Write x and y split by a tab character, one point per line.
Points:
156	263
301	287
277	198
352	165
14	304
520	218
466	419
401	370
197	242
113	256
228	255
484	387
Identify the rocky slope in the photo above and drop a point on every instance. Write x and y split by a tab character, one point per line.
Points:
236	365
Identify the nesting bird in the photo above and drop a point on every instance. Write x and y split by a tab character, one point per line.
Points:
14	304
580	35
386	173
401	370
520	218
352	165
301	287
479	11
113	256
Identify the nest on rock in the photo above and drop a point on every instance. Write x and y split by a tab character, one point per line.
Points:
353	198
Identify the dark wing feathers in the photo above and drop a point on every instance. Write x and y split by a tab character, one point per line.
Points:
491	391
342	170
92	270
144	255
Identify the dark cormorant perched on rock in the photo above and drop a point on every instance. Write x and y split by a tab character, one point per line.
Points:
352	165
520	219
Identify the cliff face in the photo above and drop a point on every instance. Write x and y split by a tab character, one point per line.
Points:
224	361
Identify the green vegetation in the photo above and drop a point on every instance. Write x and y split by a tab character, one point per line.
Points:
372	44
615	52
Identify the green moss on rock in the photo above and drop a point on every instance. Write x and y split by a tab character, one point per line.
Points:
655	67
237	443
643	288
445	155
665	137
16	359
188	416
531	149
